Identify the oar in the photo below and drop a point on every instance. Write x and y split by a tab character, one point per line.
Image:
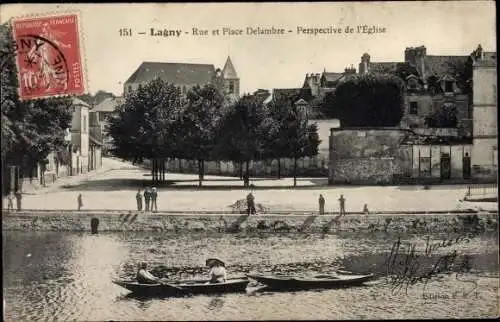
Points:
166	283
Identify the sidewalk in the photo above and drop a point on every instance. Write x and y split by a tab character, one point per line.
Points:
69	181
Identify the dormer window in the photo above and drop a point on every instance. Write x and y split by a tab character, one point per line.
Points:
231	87
448	86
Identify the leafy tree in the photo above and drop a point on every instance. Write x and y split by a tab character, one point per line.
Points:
200	120
242	135
462	71
368	100
290	135
446	116
277	142
303	138
433	84
326	104
97	98
145	126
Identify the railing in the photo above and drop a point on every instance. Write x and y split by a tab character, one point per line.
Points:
476	190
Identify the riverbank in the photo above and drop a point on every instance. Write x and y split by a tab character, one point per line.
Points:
234	223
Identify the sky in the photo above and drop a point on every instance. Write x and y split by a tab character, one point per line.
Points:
267	61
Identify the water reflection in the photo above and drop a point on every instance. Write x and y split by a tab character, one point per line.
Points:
216	303
67	276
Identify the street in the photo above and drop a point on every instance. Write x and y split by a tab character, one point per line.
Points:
114	187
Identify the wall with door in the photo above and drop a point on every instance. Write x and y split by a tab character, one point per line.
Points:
441	161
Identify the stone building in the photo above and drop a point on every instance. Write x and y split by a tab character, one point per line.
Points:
396	156
485	143
186	76
321	84
83	153
103	111
436	88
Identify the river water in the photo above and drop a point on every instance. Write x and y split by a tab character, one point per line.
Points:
67	276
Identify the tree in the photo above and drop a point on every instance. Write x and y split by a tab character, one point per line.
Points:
145	126
446	116
302	138
277	143
368	100
243	131
96	99
200	120
325	106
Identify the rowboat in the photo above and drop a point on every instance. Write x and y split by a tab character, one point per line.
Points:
232	285
276	282
150	289
181	287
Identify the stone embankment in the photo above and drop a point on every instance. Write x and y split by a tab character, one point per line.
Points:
116	221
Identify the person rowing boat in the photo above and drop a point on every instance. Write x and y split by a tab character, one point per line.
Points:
143	276
217	273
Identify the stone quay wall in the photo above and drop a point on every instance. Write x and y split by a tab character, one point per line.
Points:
234	223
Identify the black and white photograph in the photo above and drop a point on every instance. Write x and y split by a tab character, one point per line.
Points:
249	161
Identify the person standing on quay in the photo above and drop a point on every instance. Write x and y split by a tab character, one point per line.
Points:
138	197
19	198
80	201
10	200
154	197
147	197
250	204
342	205
321	202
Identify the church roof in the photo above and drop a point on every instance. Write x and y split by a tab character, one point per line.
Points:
175	73
228	72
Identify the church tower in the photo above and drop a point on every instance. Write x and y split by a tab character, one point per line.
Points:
230	80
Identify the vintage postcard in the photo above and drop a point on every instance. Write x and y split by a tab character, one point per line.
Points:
249	161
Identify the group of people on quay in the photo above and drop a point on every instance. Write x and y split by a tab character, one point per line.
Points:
150	199
216	274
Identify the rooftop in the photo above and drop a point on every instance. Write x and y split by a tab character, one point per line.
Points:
109	104
175	73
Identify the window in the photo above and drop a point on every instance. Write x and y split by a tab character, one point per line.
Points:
129	88
412	83
448	86
414	108
425	166
231	87
84	124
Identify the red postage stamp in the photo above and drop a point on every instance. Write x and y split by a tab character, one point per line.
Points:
48	58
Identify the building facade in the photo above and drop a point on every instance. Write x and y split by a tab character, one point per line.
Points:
437	94
485	147
396	156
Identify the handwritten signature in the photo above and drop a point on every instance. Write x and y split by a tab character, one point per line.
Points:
407	266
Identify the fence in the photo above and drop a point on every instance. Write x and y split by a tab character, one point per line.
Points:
482	192
310	167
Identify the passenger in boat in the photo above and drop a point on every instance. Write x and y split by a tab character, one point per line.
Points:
217	273
144	276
